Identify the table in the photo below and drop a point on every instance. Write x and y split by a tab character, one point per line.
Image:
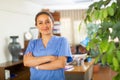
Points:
83	72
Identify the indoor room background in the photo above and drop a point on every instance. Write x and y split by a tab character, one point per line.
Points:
17	16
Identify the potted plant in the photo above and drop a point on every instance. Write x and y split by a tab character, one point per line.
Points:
93	51
106	14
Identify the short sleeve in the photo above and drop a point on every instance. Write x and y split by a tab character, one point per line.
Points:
65	50
30	47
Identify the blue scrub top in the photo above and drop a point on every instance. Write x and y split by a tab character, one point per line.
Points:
57	46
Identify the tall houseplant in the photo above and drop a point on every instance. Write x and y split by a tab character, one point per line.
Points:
106	13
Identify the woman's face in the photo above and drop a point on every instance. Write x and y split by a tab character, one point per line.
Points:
44	24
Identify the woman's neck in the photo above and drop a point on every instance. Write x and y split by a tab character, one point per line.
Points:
45	39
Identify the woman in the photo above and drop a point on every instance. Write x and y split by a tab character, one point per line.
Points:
47	55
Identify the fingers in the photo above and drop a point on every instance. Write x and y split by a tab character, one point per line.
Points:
30	54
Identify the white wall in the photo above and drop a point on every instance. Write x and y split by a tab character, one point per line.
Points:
16	17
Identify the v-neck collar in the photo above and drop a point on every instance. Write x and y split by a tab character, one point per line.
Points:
47	43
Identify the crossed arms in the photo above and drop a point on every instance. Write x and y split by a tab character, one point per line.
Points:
44	62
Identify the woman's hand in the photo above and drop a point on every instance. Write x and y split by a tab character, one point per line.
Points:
28	56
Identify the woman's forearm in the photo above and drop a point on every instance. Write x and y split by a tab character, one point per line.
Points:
35	61
31	61
57	64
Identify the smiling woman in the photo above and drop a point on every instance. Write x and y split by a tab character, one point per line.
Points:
47	55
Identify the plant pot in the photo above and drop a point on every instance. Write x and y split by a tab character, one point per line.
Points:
96	68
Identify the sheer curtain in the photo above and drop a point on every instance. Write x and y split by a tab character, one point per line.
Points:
70	20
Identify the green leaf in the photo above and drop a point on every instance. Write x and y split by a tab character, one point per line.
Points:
89	10
110	11
106	2
93	43
104	46
104	59
118	1
113	35
100	15
115	64
110	51
109	58
106	24
88	18
118	55
116	30
97	59
111	47
105	13
114	5
99	4
96	14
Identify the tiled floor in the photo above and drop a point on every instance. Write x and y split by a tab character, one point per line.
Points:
104	73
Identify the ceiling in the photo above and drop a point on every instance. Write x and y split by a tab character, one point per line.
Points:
53	4
31	7
59	2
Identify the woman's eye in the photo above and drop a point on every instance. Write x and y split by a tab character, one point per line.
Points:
40	23
47	22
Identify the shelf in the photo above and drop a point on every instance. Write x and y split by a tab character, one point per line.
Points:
57	34
10	63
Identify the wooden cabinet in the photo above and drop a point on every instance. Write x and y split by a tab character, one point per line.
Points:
56	16
17	71
57	24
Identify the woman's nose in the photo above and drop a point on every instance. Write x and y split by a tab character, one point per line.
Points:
45	24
